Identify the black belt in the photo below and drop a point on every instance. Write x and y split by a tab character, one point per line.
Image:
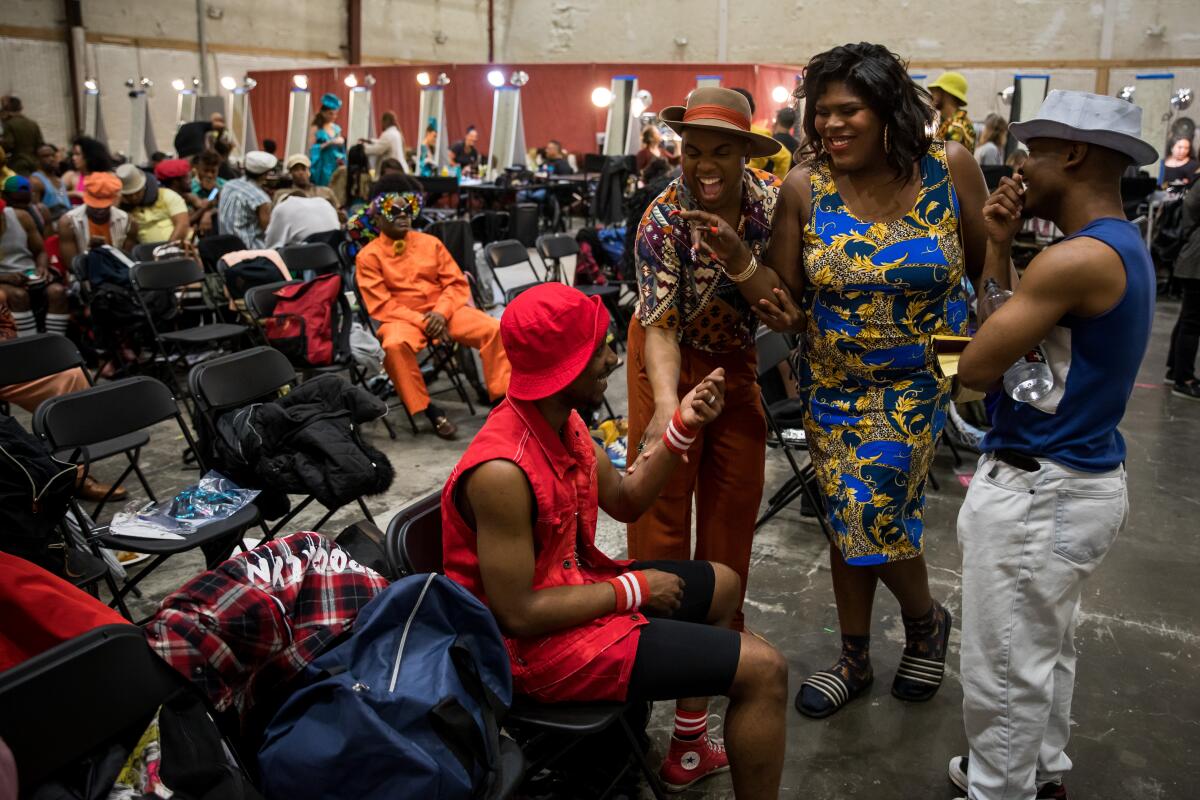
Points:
1019	460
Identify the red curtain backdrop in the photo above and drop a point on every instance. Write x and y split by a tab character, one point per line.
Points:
556	102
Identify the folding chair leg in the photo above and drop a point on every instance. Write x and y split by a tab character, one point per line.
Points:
137	469
288	517
366	511
111	489
656	787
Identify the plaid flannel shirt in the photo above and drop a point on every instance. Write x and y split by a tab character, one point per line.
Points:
241	630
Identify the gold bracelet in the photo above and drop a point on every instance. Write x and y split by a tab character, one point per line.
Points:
746	274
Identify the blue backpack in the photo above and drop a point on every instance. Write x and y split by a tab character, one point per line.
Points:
407	706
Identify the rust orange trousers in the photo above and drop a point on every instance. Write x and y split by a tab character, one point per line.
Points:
724	471
468	326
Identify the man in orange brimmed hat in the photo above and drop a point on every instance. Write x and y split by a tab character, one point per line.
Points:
700	283
518	531
97	222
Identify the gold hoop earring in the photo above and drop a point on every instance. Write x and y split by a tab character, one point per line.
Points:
887	142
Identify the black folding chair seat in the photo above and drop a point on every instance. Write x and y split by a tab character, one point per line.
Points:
204	333
79	421
245	517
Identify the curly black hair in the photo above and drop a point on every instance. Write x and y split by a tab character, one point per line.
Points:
881	79
95	154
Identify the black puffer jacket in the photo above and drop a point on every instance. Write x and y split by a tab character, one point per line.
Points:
307	441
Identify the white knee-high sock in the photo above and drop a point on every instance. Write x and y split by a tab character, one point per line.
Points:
57	323
25	322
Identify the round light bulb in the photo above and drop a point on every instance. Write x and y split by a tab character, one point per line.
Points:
423	78
496	78
350	80
519	78
228	83
443	79
602	97
301	81
178	84
780	94
90	85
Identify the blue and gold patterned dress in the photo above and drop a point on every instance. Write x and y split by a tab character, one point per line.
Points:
875	402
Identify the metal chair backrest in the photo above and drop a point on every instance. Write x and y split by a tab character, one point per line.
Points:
773	350
145	251
64	703
260	300
318	258
172	273
414	536
105	412
239	378
213	248
552	247
31	357
506	253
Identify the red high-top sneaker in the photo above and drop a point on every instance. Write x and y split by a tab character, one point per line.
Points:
692	760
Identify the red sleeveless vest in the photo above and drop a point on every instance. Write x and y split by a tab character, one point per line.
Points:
590	661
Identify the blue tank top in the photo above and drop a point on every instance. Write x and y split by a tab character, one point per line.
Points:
52	197
1095	362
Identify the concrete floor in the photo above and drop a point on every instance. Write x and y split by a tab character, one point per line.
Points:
1137	708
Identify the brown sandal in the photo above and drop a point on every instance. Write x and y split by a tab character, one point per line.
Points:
445	429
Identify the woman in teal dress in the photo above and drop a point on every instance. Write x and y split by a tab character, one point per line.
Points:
327	146
880	225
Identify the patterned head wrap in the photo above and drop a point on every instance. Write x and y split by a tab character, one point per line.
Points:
391	205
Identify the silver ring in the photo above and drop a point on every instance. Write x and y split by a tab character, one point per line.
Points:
712	401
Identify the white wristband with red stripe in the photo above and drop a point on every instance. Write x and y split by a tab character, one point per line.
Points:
679	437
632	589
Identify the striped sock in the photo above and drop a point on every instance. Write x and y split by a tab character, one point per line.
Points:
690	724
57	323
26	324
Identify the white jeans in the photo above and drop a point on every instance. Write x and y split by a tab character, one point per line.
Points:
1029	540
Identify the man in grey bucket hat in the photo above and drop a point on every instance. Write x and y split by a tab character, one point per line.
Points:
1048	496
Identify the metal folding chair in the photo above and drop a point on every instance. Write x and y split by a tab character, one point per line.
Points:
239	379
260	304
172	275
32	357
413	544
76	423
507	257
310	260
101	687
773	350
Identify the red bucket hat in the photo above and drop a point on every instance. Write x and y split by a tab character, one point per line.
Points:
549	334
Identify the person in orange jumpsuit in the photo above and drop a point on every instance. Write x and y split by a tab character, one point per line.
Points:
411	285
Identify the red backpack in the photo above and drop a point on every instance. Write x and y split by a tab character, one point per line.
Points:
302	325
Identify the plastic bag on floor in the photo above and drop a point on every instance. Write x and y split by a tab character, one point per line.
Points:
213	499
366	349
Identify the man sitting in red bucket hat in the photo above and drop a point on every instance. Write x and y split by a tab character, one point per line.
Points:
519	525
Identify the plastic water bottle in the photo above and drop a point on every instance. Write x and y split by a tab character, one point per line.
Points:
1030	378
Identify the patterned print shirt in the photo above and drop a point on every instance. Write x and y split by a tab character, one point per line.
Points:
690	294
958	128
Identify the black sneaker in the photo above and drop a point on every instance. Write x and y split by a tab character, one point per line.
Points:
1188	391
958	776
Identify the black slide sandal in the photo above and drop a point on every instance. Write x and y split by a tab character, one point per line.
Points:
918	679
830	693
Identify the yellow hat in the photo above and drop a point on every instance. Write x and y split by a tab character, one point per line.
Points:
953	84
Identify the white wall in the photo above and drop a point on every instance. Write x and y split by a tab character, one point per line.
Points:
155	39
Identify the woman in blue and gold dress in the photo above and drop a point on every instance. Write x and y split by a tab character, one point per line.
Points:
881	225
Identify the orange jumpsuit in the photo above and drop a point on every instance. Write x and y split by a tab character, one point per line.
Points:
399	290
